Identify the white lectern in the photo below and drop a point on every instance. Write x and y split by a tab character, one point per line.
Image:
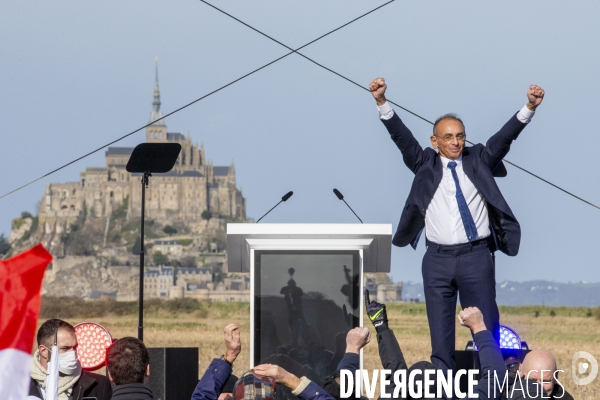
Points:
306	285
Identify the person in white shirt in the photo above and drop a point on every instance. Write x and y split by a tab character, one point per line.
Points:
455	199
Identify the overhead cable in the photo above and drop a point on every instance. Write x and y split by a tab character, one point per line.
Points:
390	101
197	100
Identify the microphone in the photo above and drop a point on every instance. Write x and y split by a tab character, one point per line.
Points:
341	197
284	198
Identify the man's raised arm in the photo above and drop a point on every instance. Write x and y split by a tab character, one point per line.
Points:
498	145
411	150
490	357
218	372
356	339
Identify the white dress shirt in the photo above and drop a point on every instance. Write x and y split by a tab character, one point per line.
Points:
443	223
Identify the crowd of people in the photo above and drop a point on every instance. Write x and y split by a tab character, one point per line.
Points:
128	368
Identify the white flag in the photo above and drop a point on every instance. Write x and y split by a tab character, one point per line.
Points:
52	377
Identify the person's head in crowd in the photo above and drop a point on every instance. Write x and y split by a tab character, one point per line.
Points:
73	382
251	386
66	341
534	363
419	369
128	361
227	392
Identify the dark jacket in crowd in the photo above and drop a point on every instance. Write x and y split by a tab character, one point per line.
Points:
349	362
212	382
490	360
314	392
133	391
88	385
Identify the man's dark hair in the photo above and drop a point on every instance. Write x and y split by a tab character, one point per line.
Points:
447	116
422	366
127	360
45	334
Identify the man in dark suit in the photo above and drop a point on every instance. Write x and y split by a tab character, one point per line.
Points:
454	197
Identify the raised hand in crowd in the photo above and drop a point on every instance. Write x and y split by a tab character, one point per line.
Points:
376	312
356	339
472	318
218	380
233	343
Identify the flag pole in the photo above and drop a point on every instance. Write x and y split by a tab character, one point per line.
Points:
52	377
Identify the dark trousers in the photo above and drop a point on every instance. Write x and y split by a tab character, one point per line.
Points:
468	270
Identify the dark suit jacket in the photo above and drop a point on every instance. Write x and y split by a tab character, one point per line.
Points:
88	385
480	163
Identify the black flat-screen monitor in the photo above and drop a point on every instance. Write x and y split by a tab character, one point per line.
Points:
305	302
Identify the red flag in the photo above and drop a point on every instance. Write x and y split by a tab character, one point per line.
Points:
20	286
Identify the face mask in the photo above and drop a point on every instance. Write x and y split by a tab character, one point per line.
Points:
68	363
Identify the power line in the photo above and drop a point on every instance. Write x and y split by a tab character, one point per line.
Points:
365	88
292	51
145	126
320	37
200	98
552	184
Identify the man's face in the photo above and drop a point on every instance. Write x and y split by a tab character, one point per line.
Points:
65	340
449	138
547	383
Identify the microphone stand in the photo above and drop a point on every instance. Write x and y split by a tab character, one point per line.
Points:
340	196
280	201
353	211
284	198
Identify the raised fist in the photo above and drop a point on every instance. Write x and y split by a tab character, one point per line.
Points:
356	339
472	318
535	95
377	88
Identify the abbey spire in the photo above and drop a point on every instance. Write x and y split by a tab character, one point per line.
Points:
156	113
157	132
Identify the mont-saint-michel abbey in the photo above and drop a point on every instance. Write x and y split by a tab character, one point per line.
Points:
92	228
192	188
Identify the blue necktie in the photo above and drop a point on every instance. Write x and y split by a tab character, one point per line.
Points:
465	213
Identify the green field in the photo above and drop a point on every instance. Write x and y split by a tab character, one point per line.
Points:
188	323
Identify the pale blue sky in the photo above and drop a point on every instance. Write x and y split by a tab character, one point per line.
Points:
75	75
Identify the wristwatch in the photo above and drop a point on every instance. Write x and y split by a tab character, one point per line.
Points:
226	360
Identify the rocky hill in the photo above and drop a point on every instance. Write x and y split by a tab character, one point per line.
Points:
88	250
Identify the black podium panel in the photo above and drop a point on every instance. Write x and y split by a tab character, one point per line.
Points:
173	372
305	302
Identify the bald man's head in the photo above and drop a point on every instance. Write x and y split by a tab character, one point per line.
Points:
539	364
